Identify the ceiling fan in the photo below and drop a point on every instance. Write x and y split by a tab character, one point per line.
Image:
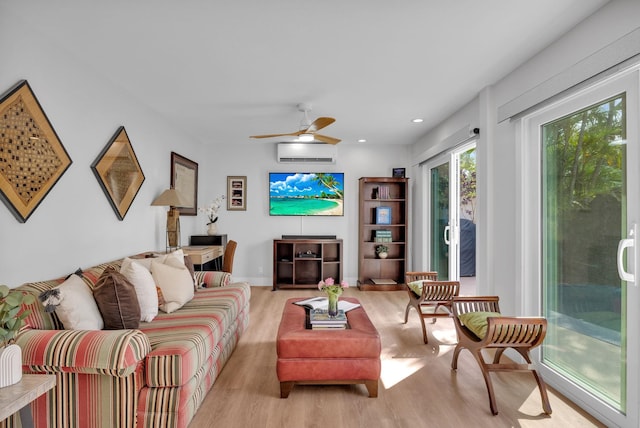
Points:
308	129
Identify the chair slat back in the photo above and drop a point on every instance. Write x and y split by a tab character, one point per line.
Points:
420	276
516	331
465	304
440	290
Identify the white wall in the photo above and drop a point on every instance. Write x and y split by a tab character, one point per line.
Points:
75	226
498	167
255	230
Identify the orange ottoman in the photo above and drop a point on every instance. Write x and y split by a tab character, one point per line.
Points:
306	356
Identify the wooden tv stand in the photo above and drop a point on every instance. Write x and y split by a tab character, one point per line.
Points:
302	263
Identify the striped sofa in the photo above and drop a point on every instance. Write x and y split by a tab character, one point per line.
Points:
154	376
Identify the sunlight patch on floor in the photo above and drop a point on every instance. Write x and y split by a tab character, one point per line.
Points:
395	370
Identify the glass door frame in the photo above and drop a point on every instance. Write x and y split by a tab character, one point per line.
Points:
452	157
529	233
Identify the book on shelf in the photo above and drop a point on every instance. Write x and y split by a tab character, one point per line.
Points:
383	281
382	239
322	317
323	303
383	192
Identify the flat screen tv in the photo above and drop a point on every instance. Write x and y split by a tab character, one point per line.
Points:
306	193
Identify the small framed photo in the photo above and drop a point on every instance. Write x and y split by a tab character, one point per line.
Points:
237	193
383	215
399	172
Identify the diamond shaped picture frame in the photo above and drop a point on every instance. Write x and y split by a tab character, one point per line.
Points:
118	172
32	157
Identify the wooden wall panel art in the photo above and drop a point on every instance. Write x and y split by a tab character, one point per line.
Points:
118	172
32	157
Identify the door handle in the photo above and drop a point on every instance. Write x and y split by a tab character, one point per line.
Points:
629	242
445	235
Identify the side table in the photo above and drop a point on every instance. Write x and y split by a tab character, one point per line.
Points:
17	397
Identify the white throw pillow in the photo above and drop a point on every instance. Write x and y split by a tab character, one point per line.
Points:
176	284
75	305
145	287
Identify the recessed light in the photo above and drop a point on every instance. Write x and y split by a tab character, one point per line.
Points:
362	140
417	120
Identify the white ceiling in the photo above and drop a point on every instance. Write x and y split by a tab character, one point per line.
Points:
224	70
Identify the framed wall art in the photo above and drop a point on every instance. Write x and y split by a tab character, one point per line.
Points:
118	172
32	157
184	178
399	172
237	193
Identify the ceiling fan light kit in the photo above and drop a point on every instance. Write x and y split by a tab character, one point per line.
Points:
308	130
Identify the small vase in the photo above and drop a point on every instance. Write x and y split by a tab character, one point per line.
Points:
212	229
332	308
382	255
10	365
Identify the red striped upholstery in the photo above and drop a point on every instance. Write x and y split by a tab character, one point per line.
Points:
156	376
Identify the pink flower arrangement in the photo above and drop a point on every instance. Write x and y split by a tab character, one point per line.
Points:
329	285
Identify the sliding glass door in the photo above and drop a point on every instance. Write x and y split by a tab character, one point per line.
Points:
588	209
452	202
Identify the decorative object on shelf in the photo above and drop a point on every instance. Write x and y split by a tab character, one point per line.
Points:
382	251
11	321
211	211
237	193
173	199
118	172
399	172
383	215
184	178
333	291
35	157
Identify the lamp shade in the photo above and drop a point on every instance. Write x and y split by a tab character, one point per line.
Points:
170	198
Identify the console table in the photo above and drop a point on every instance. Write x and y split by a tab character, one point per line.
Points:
203	255
17	397
209	241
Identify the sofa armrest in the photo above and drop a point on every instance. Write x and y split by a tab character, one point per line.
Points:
107	352
213	278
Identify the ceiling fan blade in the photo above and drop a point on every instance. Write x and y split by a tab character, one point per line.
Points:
325	139
273	135
320	123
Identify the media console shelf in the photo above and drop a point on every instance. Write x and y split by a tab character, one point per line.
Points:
302	263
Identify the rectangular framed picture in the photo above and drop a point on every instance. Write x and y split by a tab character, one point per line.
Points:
383	215
184	178
237	193
399	172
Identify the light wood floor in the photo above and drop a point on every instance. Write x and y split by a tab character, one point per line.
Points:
417	387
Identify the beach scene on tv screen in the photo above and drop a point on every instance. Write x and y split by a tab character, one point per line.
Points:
306	193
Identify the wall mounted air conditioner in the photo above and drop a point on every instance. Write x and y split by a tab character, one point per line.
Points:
307	153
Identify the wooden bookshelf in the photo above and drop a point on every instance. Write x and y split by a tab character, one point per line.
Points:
376	192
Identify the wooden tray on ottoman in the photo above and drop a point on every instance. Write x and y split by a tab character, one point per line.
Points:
305	356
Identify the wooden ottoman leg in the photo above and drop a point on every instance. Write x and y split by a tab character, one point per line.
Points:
285	389
372	387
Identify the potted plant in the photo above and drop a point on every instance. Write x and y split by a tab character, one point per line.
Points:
11	321
382	251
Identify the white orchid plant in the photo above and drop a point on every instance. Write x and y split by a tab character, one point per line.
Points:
211	210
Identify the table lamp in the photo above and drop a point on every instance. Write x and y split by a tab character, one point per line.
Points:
173	199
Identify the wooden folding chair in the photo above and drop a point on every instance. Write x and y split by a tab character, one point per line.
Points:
519	333
430	298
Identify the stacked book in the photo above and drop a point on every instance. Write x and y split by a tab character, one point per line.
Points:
383	192
382	236
320	320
